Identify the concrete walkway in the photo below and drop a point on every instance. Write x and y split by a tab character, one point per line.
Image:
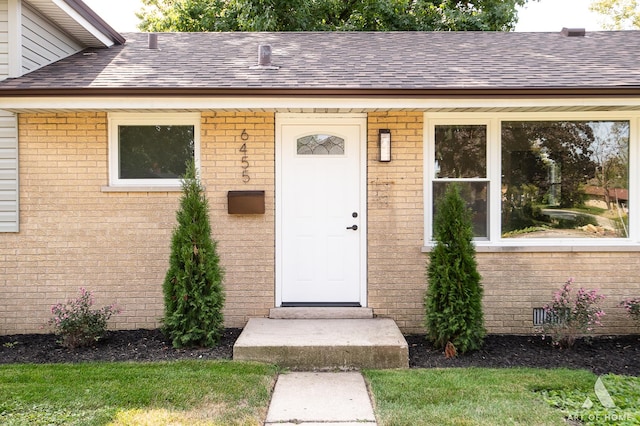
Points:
325	399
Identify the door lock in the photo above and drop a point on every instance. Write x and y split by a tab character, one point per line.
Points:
354	227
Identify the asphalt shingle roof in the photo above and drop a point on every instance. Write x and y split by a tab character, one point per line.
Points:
347	60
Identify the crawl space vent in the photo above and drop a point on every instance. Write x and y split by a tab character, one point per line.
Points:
539	315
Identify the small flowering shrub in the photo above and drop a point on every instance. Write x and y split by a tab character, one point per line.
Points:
632	306
78	325
570	316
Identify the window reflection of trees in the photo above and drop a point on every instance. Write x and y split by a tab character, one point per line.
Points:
155	152
565	175
461	151
461	154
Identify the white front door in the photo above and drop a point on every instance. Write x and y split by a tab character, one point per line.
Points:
321	210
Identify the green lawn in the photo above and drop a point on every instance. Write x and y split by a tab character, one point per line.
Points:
518	396
234	393
185	392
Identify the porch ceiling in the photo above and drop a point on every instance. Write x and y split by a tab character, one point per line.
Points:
325	110
317	105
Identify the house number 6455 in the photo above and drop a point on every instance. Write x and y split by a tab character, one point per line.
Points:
244	162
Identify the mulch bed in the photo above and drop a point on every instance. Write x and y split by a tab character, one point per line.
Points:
619	354
126	345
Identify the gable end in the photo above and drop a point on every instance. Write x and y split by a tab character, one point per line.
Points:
43	42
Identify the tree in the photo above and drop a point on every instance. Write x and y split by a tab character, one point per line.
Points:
453	301
193	294
611	155
618	14
328	15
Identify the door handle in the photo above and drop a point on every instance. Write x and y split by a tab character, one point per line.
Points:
354	227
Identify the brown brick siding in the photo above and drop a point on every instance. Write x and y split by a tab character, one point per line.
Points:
117	243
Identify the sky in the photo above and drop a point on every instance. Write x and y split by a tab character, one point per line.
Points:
545	15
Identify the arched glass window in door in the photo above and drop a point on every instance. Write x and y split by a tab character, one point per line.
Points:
320	145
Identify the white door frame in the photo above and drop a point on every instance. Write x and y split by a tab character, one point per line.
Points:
328	119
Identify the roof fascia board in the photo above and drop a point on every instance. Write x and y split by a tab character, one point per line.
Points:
96	20
65	6
18	104
510	93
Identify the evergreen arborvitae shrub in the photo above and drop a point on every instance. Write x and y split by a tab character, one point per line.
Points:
453	301
193	293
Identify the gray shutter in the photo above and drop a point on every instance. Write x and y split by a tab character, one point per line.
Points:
9	215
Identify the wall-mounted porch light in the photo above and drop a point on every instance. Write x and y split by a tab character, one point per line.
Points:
384	143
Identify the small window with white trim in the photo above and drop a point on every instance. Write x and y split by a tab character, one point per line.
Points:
461	156
151	149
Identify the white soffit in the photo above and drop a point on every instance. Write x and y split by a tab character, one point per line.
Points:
304	104
72	22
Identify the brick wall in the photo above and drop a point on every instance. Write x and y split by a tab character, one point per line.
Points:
246	242
515	283
74	235
117	243
396	224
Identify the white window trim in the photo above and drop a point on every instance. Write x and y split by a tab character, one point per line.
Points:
149	119
429	166
493	122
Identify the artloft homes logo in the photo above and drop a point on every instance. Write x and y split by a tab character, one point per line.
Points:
600	417
603	396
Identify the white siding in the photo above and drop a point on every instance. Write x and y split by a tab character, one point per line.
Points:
42	41
4	39
9	216
8	139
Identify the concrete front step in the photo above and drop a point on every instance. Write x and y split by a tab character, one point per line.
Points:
321	313
318	344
